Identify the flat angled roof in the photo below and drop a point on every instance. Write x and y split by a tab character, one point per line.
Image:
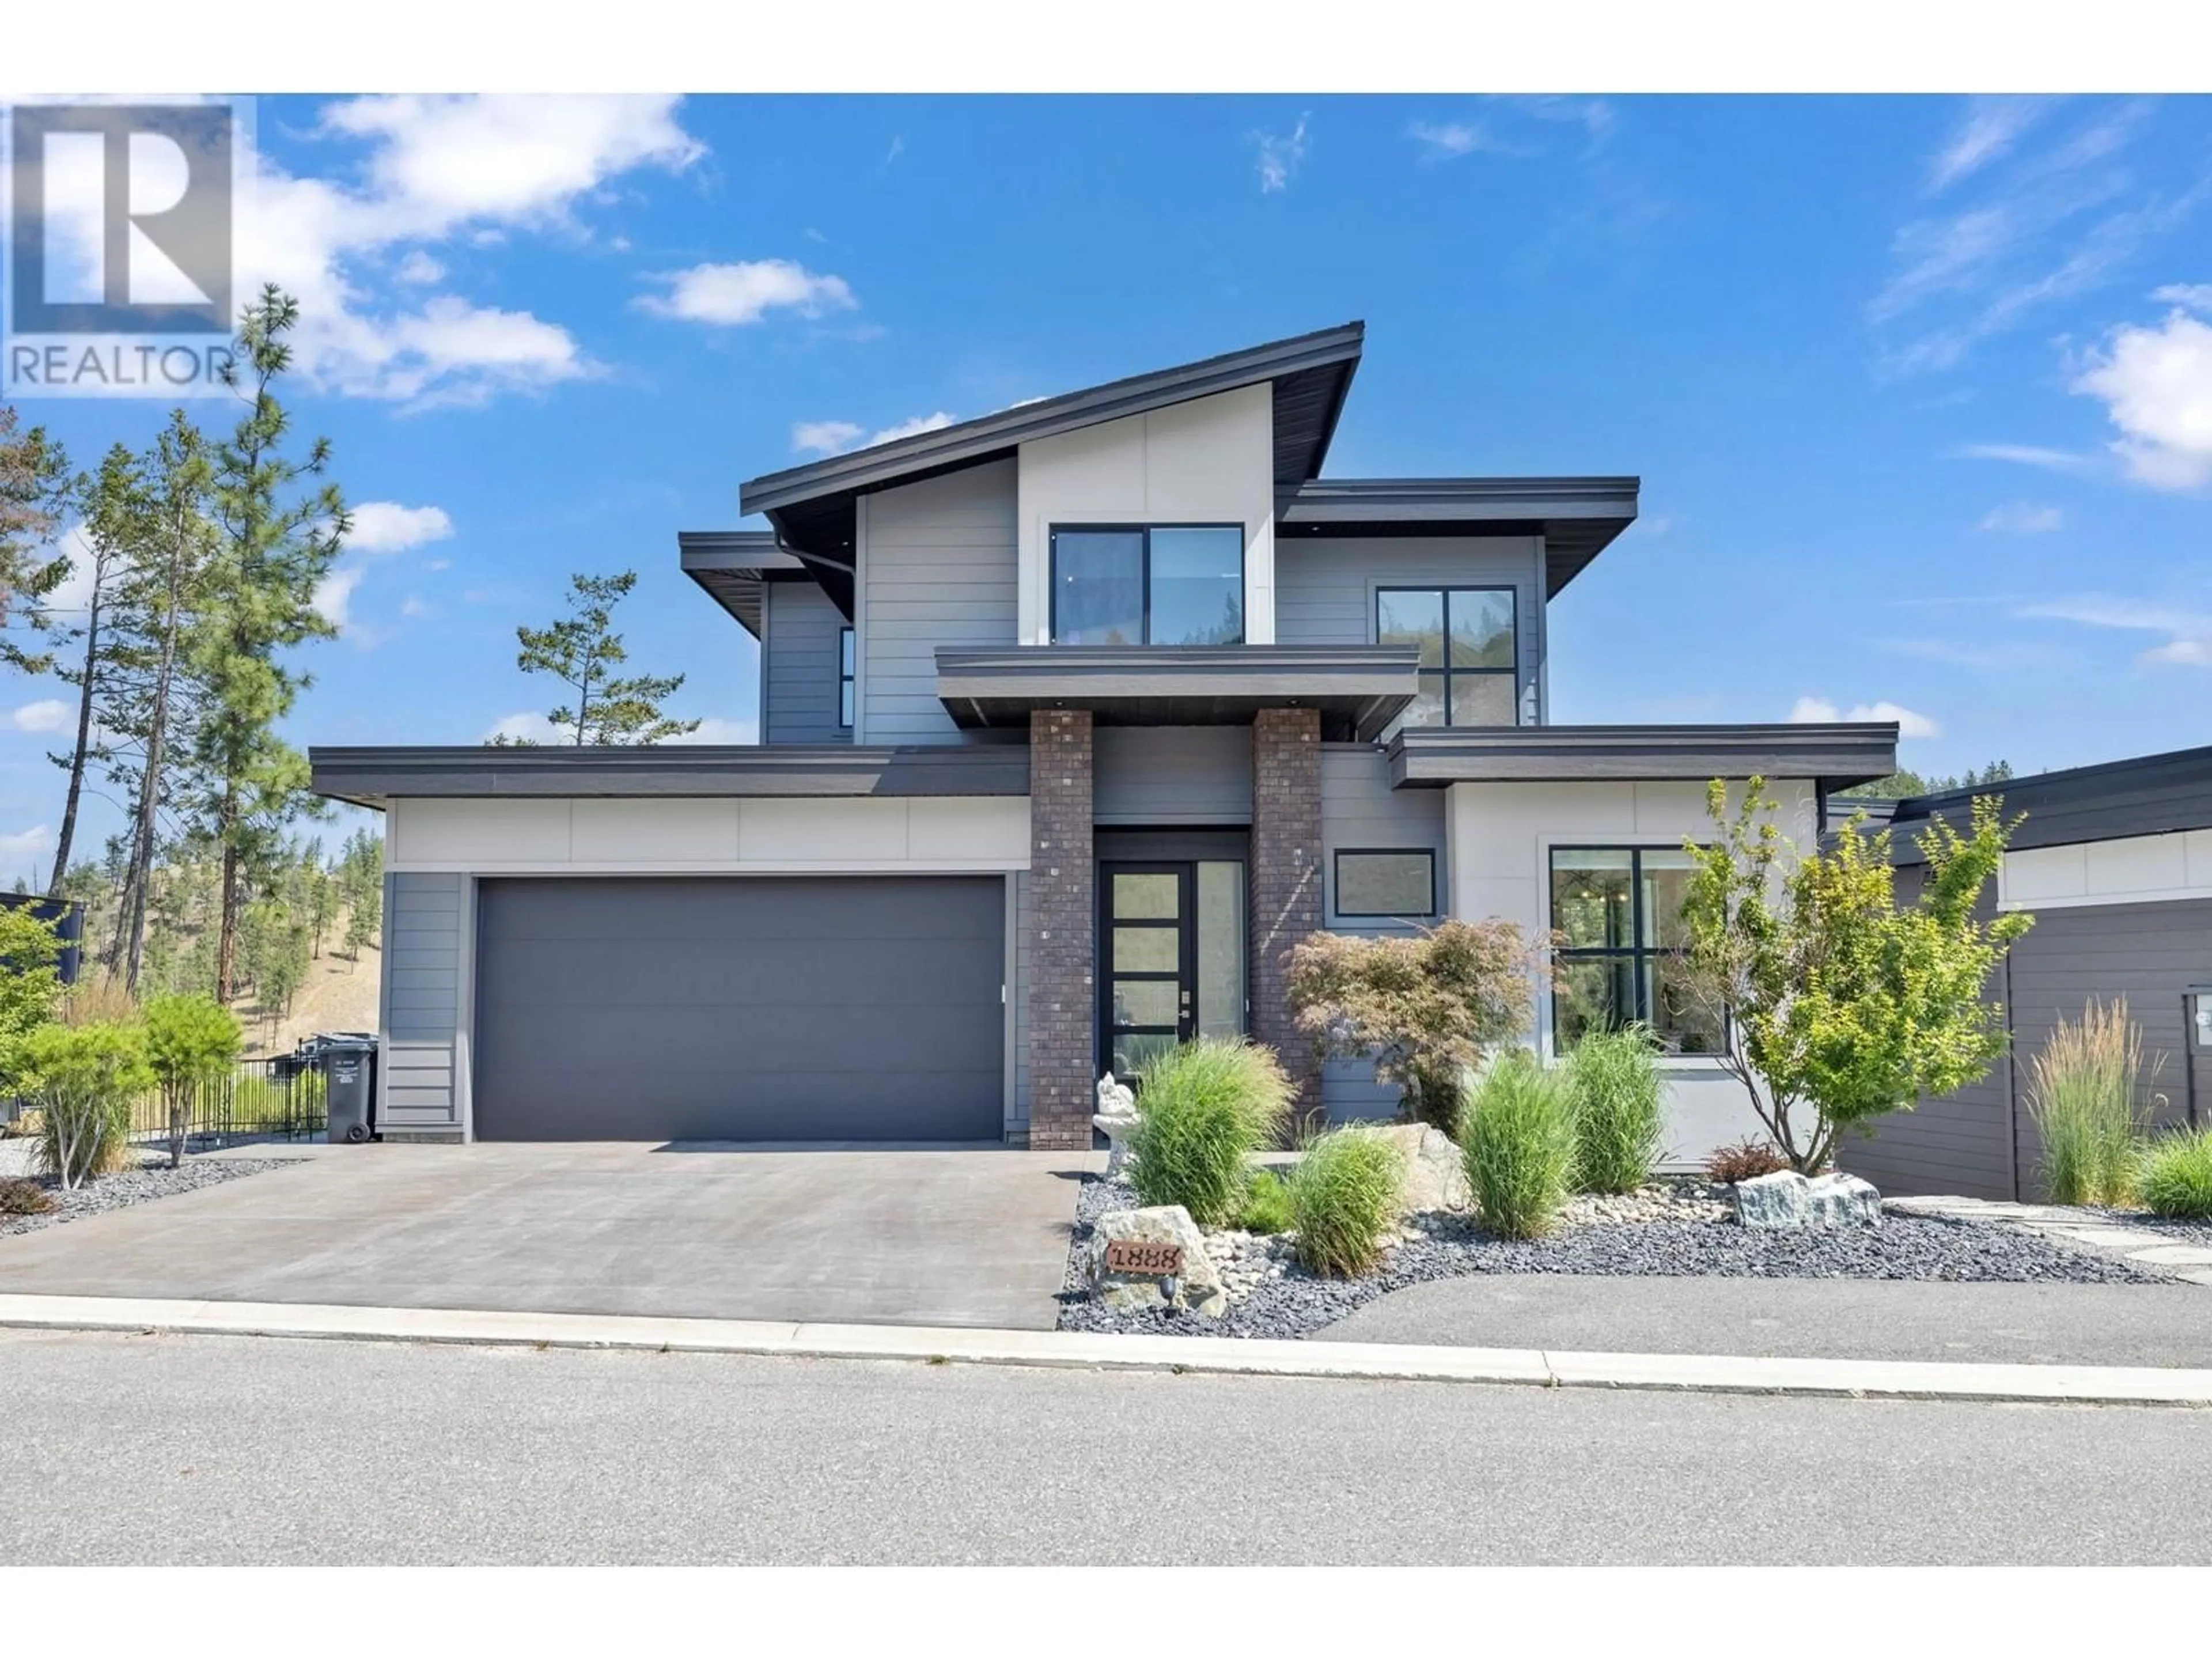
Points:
733	566
1836	756
1577	517
2144	795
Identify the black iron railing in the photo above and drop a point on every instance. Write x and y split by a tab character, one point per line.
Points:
263	1099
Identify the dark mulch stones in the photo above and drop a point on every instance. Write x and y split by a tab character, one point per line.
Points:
128	1187
1902	1248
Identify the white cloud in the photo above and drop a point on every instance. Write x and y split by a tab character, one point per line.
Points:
730	296
46	714
388	527
2023	518
920	423
334	595
2050	460
1279	156
2193	296
437	564
2188	640
2156	387
414	606
22	843
421	269
1820	711
1447	141
822	437
535	727
1992	127
716	730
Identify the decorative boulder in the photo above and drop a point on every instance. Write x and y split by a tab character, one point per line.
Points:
1435	1176
1781	1200
1198	1287
1843	1201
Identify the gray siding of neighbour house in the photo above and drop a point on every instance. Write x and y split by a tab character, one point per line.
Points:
799	648
1181	774
1325	589
425	960
936	567
1359	809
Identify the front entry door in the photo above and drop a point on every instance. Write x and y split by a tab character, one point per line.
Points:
1171	958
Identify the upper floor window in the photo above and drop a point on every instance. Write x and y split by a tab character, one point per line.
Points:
1470	670
1148	584
845	677
1617	915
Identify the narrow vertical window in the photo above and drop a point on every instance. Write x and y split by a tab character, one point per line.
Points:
845	678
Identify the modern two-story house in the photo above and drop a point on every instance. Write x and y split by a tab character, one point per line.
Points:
1075	720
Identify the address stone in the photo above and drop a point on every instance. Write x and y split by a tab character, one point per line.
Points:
1198	1287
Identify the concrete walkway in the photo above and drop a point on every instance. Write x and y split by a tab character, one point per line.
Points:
946	1235
2166	1325
2119	1235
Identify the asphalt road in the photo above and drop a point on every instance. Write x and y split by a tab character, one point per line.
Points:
229	1450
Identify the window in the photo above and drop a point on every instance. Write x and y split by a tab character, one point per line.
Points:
1470	673
845	677
1156	585
1386	883
1618	914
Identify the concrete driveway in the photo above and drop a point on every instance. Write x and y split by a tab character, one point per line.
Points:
932	1235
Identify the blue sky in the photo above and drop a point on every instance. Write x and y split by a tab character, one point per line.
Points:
1920	389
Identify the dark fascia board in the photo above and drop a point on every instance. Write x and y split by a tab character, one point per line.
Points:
1835	755
2144	795
1359	689
376	777
1577	517
731	566
989	436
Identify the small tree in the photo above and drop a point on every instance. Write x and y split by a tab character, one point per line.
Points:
1840	1002
30	985
582	650
1426	1008
192	1042
85	1079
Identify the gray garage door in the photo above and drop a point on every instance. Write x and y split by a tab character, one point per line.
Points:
773	1008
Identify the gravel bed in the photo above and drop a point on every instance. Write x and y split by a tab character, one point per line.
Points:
126	1187
1284	1300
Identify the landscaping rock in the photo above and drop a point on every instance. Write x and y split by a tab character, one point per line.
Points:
1843	1201
1435	1178
1784	1199
1197	1288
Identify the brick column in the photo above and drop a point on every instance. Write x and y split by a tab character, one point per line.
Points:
1287	895
1063	999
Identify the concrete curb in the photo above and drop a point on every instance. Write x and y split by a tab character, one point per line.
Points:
2111	1385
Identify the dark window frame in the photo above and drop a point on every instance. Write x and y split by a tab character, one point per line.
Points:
1336	882
1145	580
1510	673
1635	953
848	662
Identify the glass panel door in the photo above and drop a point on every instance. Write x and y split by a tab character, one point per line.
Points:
1147	996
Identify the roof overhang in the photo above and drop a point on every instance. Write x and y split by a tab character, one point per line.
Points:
377	777
734	566
812	507
1577	518
1359	689
2167	793
1834	755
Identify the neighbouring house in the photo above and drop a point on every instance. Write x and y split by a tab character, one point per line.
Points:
1075	720
2115	863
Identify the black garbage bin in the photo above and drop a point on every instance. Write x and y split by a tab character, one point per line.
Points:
349	1068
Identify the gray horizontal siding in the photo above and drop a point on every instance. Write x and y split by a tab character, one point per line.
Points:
424	919
1172	775
799	657
1358	808
1325	590
936	567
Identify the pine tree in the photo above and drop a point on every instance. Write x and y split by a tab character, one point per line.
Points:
582	650
34	481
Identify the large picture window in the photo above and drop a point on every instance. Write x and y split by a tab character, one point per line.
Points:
1618	914
1148	584
1470	669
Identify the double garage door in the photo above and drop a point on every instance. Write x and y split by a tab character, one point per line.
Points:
759	1008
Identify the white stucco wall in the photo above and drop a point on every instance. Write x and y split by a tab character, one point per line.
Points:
1208	461
921	835
1501	837
2128	870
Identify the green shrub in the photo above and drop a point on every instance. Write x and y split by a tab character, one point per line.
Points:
85	1079
2083	1097
2177	1176
1747	1160
1266	1205
1612	1077
1344	1197
1518	1145
192	1042
1202	1110
21	1197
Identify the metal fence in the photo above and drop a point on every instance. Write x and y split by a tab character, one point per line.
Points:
262	1100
